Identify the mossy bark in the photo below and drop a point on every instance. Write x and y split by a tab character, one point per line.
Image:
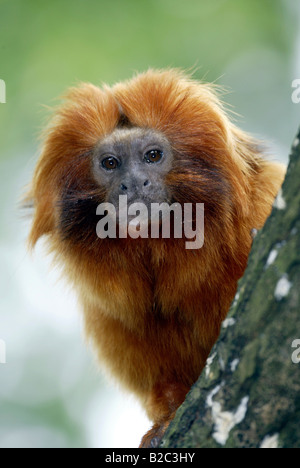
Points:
249	393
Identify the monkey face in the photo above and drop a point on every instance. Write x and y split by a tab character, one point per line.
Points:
159	138
133	162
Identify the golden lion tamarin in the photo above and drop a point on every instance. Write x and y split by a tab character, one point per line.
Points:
152	307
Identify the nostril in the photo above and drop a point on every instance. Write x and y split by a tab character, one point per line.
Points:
123	188
146	183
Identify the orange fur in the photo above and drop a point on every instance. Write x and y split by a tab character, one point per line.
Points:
152	308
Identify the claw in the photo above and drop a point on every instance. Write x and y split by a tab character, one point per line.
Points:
153	438
154	443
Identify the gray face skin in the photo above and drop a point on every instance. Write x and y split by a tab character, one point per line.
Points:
133	162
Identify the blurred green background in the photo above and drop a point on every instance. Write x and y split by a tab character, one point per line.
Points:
51	392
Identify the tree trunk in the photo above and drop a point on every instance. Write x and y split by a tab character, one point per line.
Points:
249	393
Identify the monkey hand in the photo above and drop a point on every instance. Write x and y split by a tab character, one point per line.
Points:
162	404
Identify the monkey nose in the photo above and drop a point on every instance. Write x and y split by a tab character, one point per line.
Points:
125	188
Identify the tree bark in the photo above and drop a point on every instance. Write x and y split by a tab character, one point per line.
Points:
248	396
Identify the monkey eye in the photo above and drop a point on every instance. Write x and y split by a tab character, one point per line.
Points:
110	163
153	156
